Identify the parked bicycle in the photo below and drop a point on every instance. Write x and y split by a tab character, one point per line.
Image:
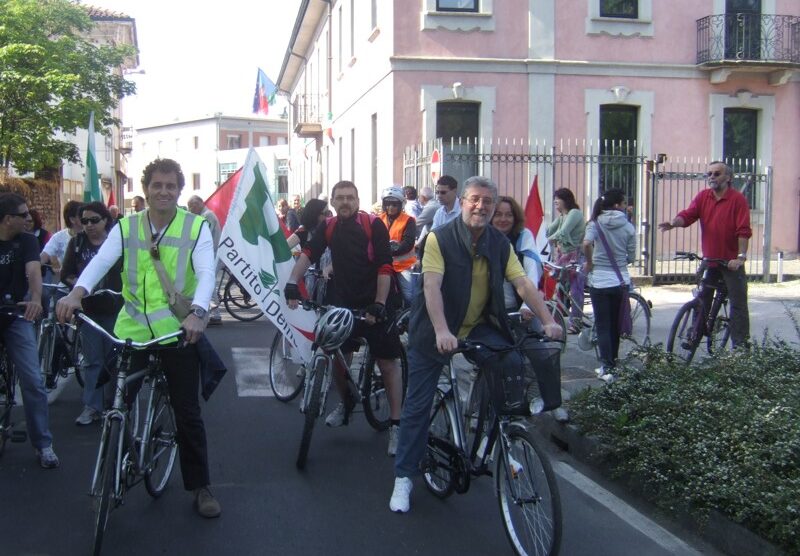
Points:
561	301
463	445
8	386
133	447
698	321
59	346
238	302
332	330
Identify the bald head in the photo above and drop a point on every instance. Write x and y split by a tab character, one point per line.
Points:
195	204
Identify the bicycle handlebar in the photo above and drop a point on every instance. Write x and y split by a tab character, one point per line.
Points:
58	287
689	256
127	343
310	305
12	309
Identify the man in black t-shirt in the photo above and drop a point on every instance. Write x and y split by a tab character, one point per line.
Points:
362	279
21	274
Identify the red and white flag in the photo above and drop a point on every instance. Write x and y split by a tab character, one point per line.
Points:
534	217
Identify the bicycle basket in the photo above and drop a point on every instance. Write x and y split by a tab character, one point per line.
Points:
507	387
333	328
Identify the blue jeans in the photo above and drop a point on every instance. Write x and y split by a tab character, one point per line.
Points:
96	349
20	341
423	376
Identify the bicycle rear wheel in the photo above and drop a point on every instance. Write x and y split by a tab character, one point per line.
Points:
312	410
640	333
530	504
239	303
162	446
720	328
376	400
106	474
685	334
439	470
285	375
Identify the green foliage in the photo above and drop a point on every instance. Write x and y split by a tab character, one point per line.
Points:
51	78
722	434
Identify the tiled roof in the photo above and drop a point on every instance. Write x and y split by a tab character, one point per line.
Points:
103	13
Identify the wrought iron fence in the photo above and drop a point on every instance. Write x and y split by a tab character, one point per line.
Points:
748	38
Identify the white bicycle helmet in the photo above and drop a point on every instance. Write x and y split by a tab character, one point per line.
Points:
395	193
333	328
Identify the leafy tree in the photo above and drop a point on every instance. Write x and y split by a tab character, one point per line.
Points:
51	77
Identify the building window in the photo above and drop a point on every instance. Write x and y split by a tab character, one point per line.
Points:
352	28
619	125
234	142
628	9
740	148
341	158
177	145
130	185
458	125
263	141
340	40
353	155
374	149
457	5
195	181
226	170
196	142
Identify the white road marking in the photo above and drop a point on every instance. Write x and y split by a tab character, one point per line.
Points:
251	367
629	515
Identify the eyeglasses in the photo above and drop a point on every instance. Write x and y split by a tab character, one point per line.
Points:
25	214
391	204
92	220
475	200
714	174
443	191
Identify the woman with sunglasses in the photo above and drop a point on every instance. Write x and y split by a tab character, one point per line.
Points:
96	221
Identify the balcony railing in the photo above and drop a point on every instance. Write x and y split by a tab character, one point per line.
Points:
770	40
308	115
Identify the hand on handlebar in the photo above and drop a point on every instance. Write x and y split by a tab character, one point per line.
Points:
66	307
292	294
193	327
553	331
446	342
32	310
376	312
735	264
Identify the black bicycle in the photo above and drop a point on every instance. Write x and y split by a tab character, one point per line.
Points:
237	300
8	386
367	386
697	322
464	444
59	345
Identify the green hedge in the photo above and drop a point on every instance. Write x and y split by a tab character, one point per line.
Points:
721	434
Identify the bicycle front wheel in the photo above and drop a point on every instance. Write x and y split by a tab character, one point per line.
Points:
45	348
106	481
530	504
8	381
685	334
239	303
312	410
162	446
640	333
285	375
376	399
439	468
720	328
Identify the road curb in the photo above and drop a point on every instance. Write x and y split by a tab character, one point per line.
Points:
719	531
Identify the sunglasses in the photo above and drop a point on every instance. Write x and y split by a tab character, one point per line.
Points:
392	203
714	174
92	220
442	191
25	214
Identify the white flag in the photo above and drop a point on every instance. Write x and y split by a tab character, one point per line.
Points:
254	249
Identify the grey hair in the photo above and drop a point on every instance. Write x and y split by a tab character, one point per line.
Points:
480	181
728	169
196	198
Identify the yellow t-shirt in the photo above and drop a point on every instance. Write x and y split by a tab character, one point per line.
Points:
432	261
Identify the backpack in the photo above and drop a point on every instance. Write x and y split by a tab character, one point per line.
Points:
366	221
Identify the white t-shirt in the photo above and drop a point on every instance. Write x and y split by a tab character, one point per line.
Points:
56	246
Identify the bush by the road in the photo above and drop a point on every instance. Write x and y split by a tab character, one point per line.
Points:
721	434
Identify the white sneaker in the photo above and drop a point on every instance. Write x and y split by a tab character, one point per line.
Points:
88	416
608	378
600	371
400	502
339	416
560	414
47	458
537	405
394	435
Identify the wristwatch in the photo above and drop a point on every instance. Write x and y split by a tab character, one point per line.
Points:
199	312
742	256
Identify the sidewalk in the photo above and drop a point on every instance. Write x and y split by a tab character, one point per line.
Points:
768	305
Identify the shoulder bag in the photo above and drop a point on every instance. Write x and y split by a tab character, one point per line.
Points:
625	320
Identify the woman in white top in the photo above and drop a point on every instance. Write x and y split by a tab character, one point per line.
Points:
55	249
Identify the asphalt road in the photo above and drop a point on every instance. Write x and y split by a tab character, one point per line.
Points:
338	505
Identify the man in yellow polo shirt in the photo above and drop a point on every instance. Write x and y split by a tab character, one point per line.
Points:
464	255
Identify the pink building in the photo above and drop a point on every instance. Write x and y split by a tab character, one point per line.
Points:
694	80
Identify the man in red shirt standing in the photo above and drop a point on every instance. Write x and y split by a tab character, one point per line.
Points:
725	231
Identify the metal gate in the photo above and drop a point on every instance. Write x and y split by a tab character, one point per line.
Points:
657	190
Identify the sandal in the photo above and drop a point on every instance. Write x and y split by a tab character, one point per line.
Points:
574	329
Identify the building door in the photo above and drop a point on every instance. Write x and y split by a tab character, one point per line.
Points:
743	29
458	126
739	148
619	126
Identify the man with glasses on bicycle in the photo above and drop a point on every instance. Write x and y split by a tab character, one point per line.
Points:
449	209
465	255
362	277
182	242
21	274
724	217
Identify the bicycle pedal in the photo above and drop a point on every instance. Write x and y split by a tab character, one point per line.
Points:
19	436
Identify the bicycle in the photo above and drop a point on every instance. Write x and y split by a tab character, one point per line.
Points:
237	300
133	448
695	320
464	444
8	386
368	387
561	301
59	345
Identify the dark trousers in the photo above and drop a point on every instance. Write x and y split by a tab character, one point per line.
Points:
606	304
736	282
181	367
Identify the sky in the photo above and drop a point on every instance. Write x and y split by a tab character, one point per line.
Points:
202	57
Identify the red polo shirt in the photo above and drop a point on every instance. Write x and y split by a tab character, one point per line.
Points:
722	221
